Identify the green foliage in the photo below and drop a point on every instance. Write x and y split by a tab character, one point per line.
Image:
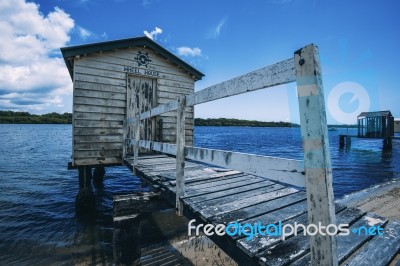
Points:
10	117
239	122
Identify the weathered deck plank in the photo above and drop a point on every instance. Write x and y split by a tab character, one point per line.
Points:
246	202
381	249
258	209
293	248
215	195
231	194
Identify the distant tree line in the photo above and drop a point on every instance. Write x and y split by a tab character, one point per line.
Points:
10	117
240	122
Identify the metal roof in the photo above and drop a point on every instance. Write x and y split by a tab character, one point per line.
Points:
70	52
374	114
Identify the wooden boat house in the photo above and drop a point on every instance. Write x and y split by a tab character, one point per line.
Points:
116	80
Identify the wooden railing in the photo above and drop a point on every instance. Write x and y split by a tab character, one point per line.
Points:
314	172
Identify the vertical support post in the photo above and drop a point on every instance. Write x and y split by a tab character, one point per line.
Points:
317	160
125	135
137	111
180	153
136	146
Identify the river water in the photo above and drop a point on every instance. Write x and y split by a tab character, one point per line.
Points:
38	224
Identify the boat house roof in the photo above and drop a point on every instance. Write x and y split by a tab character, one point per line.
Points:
69	53
374	114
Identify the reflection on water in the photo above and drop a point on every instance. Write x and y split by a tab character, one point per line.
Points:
38	224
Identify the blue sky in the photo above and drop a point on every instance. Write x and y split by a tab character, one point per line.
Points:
358	42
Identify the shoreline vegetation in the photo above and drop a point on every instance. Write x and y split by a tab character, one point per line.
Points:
10	117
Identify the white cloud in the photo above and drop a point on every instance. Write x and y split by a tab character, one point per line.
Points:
153	34
84	33
148	3
187	51
104	36
31	78
216	31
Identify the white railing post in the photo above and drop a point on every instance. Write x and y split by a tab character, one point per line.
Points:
317	161
136	146
180	153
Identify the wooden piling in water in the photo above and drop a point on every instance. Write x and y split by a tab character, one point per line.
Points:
344	141
85	200
127	213
98	175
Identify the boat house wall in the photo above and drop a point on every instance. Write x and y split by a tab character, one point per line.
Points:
101	75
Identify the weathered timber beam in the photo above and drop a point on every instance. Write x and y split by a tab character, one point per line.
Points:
278	169
317	160
273	75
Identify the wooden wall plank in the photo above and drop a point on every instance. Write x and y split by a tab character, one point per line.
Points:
97	123
98	138
188	132
98	131
92	94
100	80
96	71
96	154
97	146
99	68
175	84
98	116
99	109
100	87
100	102
166	88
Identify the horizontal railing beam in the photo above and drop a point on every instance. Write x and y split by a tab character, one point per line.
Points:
283	170
273	75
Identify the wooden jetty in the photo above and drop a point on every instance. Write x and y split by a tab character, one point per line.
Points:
216	195
133	95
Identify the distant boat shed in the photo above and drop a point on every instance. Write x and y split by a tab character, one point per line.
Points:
375	125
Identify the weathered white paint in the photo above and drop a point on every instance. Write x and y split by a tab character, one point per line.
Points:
180	154
273	75
126	126
276	74
278	169
137	139
317	161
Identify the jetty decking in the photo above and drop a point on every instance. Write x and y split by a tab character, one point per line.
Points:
216	195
